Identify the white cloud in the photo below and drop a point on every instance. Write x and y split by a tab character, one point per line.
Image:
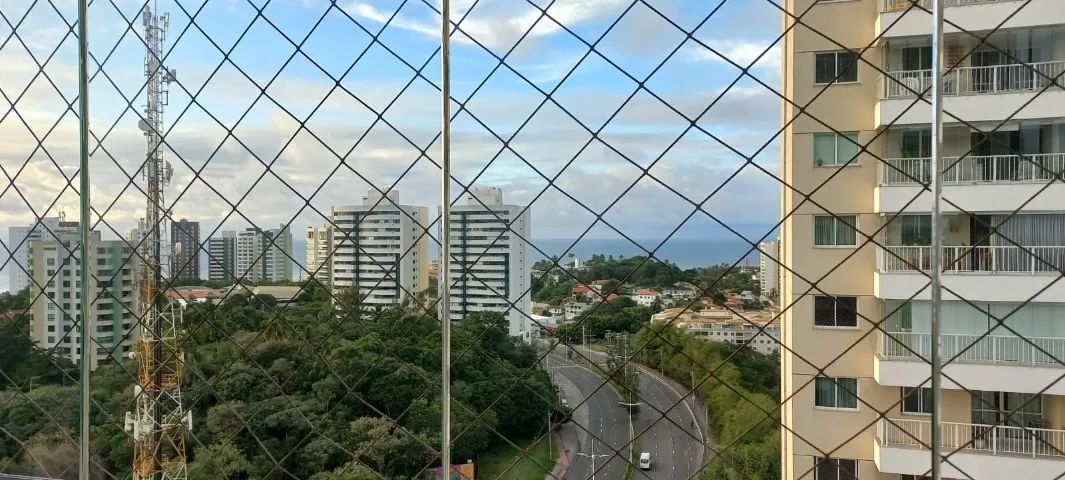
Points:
496	26
741	52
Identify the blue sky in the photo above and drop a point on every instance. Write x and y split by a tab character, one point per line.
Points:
746	116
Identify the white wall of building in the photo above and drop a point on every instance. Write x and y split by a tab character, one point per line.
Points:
18	242
491	259
380	247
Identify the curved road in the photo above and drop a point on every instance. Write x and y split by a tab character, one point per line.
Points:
666	427
600	427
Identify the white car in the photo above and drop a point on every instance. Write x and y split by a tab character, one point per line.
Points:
645	461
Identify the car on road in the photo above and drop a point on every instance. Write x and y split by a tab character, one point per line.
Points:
645	461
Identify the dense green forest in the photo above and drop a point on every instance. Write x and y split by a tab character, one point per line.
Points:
288	392
744	418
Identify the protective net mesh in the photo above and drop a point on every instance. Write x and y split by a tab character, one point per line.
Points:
685	239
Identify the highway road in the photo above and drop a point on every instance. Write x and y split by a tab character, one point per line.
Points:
669	429
596	437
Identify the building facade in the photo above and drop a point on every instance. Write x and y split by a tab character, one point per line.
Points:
19	239
319	251
380	248
769	269
490	259
222	256
249	255
277	255
264	255
856	323
113	292
647	298
185	258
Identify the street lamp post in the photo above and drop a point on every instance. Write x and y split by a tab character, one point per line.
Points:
592	456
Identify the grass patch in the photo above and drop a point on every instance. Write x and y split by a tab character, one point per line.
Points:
535	465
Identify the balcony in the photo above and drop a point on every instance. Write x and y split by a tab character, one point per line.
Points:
1002	451
978	259
974	183
986	82
901	5
976	362
897	19
990	169
988	273
992	79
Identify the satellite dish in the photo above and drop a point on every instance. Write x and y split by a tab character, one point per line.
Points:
141	124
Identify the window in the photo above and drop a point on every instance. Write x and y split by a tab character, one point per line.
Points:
833	149
836	469
917	400
916	230
916	144
835	231
836	67
916	58
836	392
832	311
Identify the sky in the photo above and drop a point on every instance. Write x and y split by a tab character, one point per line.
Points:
531	101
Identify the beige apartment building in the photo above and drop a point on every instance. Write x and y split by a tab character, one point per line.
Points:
854	404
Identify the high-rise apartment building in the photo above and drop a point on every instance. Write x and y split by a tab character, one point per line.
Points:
768	269
856	323
222	256
112	291
264	255
319	249
277	259
185	258
18	243
380	248
490	259
249	255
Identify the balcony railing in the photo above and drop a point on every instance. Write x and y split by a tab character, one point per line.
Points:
975	80
1035	168
974	437
997	349
900	5
980	259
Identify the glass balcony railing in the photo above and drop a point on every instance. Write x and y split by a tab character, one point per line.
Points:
900	5
963	348
1018	77
974	437
978	259
994	169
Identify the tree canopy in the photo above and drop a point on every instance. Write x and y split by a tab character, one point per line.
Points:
307	390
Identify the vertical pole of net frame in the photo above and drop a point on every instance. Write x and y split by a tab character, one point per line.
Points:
445	239
936	179
83	260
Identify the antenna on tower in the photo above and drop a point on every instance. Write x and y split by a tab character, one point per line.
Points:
160	424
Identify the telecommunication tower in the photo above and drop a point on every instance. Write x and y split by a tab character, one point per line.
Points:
160	424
